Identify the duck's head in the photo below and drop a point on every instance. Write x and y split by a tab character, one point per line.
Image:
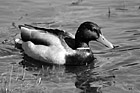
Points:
89	31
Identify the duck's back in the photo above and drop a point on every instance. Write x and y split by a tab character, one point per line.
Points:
46	36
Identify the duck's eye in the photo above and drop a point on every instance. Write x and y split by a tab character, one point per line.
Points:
94	29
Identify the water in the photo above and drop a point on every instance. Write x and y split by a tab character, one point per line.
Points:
116	70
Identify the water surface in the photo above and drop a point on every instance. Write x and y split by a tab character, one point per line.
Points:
116	70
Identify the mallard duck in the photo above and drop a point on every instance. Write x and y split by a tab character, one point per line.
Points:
56	46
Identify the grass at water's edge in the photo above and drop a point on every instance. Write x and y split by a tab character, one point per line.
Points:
15	82
18	80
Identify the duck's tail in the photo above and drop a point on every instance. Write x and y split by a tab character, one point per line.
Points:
25	32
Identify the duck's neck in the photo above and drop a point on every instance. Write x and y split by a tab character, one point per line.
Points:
80	39
79	44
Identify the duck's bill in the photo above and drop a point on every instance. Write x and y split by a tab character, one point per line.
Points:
104	41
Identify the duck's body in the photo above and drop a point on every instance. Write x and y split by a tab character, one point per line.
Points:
59	47
51	54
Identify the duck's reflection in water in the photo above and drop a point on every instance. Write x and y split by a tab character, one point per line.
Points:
85	78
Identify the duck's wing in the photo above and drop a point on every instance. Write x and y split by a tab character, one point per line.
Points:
27	31
53	31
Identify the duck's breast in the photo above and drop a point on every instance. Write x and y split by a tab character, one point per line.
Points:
80	58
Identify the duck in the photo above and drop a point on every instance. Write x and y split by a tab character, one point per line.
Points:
59	47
